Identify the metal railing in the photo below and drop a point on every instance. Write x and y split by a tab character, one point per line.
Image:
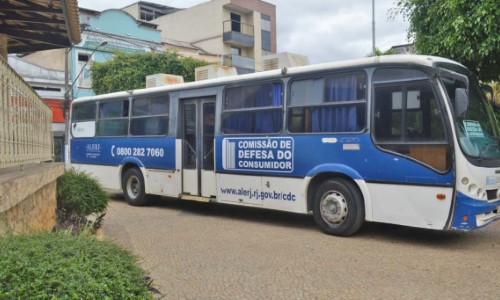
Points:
25	121
235	26
233	60
241	63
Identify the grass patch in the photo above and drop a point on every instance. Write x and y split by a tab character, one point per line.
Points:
60	265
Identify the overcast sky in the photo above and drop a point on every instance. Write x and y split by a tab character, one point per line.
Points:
323	30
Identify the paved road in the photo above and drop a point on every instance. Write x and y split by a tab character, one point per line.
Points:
210	251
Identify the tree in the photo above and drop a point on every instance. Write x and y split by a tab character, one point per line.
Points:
379	52
462	30
128	71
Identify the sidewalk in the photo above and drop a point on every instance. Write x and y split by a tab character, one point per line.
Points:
205	251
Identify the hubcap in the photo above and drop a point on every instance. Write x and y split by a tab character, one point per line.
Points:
133	186
333	207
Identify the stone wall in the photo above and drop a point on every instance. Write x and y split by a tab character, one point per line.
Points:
28	197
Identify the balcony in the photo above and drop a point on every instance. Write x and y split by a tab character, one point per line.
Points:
243	65
238	34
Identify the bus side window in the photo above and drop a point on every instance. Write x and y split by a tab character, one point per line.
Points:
113	118
150	116
334	103
83	119
408	120
253	109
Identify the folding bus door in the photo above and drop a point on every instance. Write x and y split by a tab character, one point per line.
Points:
198	147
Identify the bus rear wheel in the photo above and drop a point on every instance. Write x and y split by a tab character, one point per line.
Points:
133	187
338	207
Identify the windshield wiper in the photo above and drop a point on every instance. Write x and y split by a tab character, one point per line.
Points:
487	147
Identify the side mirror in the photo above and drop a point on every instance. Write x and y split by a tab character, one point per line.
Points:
489	94
461	102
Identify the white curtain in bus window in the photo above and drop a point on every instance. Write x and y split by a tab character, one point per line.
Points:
253	109
150	116
113	118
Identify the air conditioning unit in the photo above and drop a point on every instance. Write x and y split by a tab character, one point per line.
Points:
284	60
162	80
213	71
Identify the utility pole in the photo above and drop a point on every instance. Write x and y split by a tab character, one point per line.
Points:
373	28
66	108
67	91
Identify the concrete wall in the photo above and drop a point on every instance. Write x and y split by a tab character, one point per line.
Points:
200	25
133	10
28	197
48	59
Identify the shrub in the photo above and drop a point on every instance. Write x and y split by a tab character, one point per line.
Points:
64	266
80	194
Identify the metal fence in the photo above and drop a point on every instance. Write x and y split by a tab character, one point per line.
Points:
25	121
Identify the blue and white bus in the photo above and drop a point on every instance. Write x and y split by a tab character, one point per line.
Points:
407	140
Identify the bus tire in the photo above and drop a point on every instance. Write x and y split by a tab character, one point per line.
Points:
338	207
133	187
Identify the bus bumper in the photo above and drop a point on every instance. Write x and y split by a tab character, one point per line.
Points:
471	214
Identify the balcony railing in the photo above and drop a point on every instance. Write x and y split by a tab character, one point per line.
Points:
242	64
238	34
25	121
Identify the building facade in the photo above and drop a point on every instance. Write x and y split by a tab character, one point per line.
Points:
147	11
239	32
104	33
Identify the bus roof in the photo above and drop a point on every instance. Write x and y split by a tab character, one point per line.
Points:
423	60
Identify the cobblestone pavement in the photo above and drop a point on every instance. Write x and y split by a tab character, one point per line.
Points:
211	251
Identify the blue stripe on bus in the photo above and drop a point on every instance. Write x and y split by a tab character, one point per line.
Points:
470	208
352	155
150	152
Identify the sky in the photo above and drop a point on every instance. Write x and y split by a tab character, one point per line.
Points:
323	30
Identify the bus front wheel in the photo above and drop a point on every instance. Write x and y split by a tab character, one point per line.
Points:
133	187
338	207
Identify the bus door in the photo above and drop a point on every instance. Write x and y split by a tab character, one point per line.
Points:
198	176
409	121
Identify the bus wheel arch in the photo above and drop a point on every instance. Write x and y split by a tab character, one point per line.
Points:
133	185
337	204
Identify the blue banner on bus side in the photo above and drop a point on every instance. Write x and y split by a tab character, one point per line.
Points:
258	154
156	153
306	155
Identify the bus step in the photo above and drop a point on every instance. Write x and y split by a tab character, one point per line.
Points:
195	198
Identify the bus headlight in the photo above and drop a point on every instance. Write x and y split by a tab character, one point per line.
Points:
480	193
465	181
472	189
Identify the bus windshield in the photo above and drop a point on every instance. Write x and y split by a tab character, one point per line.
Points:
476	125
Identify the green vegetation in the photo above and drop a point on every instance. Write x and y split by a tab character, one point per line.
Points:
65	266
78	193
379	52
465	31
496	104
79	196
128	71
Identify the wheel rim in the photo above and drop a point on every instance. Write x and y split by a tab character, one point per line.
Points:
133	187
333	207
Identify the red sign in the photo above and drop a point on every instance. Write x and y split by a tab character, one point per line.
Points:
57	107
